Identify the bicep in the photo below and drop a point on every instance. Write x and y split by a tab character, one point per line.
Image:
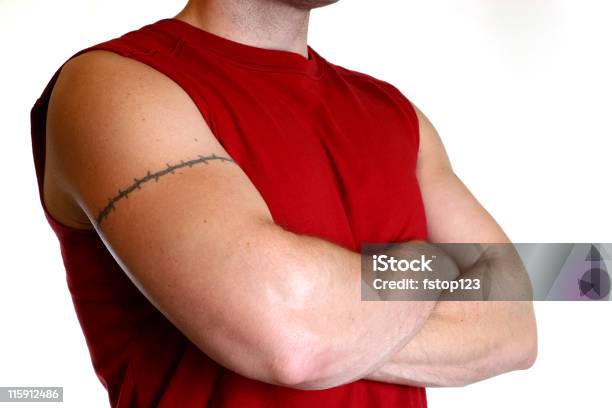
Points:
453	213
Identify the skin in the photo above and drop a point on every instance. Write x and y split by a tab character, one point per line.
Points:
113	119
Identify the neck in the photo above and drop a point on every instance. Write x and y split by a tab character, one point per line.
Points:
270	24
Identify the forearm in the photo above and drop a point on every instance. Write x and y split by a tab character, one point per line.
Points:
464	342
467	341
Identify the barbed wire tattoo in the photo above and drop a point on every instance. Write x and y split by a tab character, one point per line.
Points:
155	176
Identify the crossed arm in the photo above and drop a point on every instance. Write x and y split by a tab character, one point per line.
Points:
462	341
265	302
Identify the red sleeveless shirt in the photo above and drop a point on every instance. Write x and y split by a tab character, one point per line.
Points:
333	153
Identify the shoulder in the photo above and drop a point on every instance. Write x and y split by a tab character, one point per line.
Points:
95	78
117	65
388	98
369	82
98	70
379	90
125	74
104	100
102	88
101	96
108	108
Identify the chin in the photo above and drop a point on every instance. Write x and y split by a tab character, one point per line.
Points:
309	4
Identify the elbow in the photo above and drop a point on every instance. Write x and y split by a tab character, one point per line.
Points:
527	352
525	348
294	372
521	356
290	362
520	351
298	374
515	353
289	371
301	368
307	360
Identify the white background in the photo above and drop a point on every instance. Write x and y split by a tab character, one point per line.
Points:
519	90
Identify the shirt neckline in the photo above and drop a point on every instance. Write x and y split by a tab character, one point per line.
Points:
247	55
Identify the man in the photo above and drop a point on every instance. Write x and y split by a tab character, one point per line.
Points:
232	174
